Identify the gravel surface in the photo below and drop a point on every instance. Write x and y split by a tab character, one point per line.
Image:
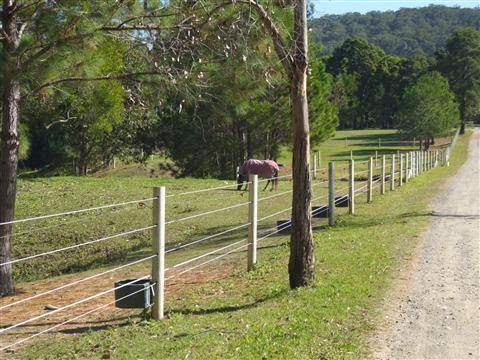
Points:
434	313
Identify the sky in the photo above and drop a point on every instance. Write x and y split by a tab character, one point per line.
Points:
323	7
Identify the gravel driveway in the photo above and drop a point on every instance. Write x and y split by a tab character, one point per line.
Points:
435	313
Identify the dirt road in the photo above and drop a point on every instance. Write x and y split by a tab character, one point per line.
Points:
435	312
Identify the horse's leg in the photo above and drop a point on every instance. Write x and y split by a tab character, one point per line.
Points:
265	188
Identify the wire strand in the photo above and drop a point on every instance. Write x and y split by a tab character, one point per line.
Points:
74	318
77	245
75	211
207	213
77	282
70	305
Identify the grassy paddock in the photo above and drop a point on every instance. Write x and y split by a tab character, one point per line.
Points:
46	195
256	315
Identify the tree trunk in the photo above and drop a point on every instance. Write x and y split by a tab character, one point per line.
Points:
302	260
9	142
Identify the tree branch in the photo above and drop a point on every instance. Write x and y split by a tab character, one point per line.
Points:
126	76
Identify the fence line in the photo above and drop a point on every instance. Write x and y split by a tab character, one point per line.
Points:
422	163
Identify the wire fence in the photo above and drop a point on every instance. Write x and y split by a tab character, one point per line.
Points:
416	161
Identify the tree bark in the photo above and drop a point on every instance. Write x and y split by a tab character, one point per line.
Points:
9	142
302	257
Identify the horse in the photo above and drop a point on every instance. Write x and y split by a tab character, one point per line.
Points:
267	169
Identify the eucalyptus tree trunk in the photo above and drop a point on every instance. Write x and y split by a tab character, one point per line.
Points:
302	257
9	140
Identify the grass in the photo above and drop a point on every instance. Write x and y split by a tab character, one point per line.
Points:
255	315
46	195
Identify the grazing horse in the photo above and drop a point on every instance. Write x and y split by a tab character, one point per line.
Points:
267	169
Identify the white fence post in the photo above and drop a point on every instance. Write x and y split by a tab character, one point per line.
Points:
351	188
382	187
252	219
331	193
392	175
158	244
407	164
401	170
370	181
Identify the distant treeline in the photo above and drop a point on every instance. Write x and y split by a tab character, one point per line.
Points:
405	32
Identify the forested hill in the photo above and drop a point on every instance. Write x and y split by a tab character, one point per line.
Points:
404	32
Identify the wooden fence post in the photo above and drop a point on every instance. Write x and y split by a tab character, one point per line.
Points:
401	170
382	187
392	175
331	193
370	181
351	188
252	219
158	244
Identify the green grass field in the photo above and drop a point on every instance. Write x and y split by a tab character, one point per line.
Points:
256	315
45	195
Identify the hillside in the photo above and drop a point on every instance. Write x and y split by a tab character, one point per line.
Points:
404	32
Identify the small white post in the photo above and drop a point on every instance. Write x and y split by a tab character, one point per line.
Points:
158	244
351	188
331	193
351	154
252	219
382	188
370	181
447	156
401	170
376	158
392	175
407	164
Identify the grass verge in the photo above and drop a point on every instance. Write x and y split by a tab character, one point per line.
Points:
255	315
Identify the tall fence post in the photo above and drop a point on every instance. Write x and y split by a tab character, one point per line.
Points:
392	175
401	171
407	164
158	244
252	219
370	181
351	188
447	156
382	187
331	193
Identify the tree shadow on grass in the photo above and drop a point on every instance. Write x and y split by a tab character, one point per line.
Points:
230	308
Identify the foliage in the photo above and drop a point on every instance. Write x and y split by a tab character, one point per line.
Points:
406	32
460	62
428	108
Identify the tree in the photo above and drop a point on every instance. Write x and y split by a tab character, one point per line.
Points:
42	43
460	63
428	109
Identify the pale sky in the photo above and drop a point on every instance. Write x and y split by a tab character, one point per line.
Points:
323	7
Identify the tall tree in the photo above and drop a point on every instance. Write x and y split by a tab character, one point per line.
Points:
460	62
428	109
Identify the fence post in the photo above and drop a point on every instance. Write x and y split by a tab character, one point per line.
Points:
252	219
376	158
158	244
401	170
351	188
351	154
392	176
370	181
382	188
447	156
407	163
331	193
379	143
